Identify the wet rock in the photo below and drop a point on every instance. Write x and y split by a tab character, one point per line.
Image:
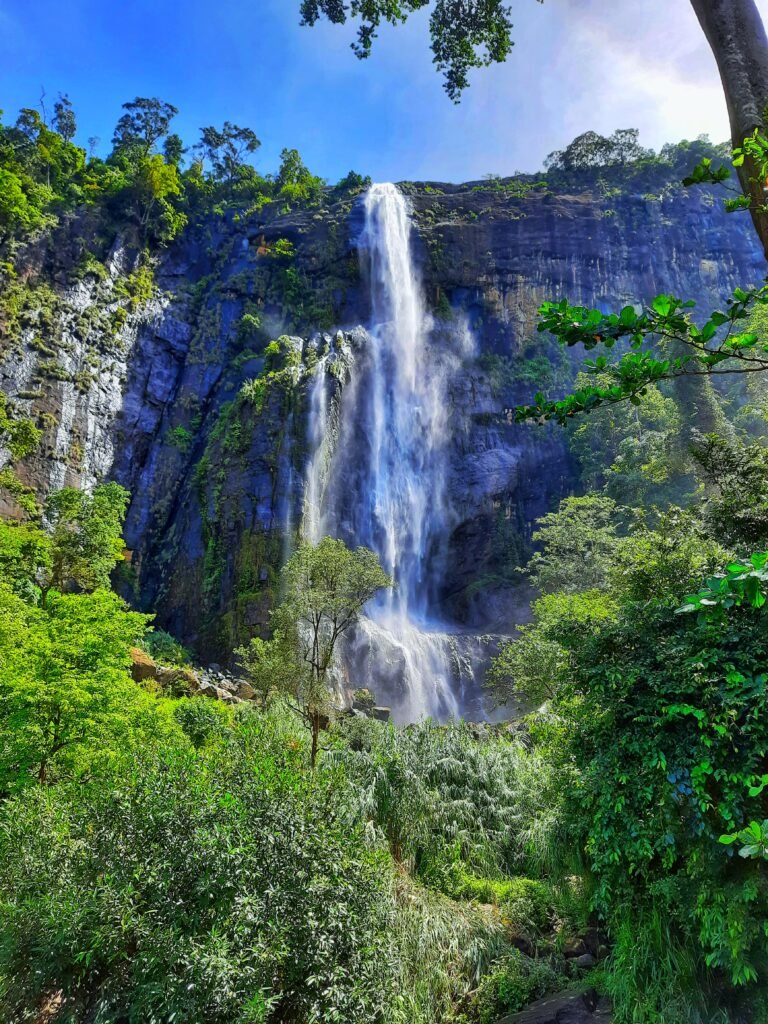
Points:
198	535
583	962
524	943
571	1007
574	946
381	714
596	942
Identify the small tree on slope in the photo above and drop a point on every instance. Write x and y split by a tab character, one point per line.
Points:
326	587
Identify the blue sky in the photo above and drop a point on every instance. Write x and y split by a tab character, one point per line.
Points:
577	64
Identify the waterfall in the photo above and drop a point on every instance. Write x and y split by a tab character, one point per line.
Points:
380	480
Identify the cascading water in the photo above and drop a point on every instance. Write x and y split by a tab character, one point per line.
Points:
377	475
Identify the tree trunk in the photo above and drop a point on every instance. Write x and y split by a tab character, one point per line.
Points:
315	736
737	37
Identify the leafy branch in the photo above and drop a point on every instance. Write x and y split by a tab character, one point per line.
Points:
742	583
755	149
754	838
667	319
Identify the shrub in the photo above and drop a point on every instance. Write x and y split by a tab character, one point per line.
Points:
524	902
165	648
515	981
202	719
225	889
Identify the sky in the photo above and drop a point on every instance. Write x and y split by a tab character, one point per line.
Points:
576	65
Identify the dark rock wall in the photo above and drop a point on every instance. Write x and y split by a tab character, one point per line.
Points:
149	396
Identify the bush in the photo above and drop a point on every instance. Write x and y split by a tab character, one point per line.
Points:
524	902
515	981
669	735
202	719
166	648
439	795
228	889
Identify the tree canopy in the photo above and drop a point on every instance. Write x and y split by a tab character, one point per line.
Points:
465	35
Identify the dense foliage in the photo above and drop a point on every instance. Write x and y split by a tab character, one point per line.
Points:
648	651
171	858
149	186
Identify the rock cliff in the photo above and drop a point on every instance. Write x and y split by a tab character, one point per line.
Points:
141	382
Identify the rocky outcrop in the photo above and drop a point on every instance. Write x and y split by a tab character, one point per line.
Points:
182	681
141	384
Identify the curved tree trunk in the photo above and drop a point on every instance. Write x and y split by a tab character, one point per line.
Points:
736	34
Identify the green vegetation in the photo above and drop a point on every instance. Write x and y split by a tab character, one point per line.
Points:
174	858
150	186
167	857
647	650
178	856
324	588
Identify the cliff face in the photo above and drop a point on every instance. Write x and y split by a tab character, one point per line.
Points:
143	385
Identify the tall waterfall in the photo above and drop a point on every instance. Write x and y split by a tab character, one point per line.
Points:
377	475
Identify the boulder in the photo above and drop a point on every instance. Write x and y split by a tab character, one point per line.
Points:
178	681
142	666
573	947
381	714
244	690
209	690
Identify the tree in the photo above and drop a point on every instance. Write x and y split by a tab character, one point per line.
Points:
593	150
65	683
736	507
45	162
668	736
326	587
737	37
149	198
25	558
633	453
219	889
64	121
173	149
86	536
465	35
295	182
535	666
227	147
664	344
653	706
17	211
578	543
145	122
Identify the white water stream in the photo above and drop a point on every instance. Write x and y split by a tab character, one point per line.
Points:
377	475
